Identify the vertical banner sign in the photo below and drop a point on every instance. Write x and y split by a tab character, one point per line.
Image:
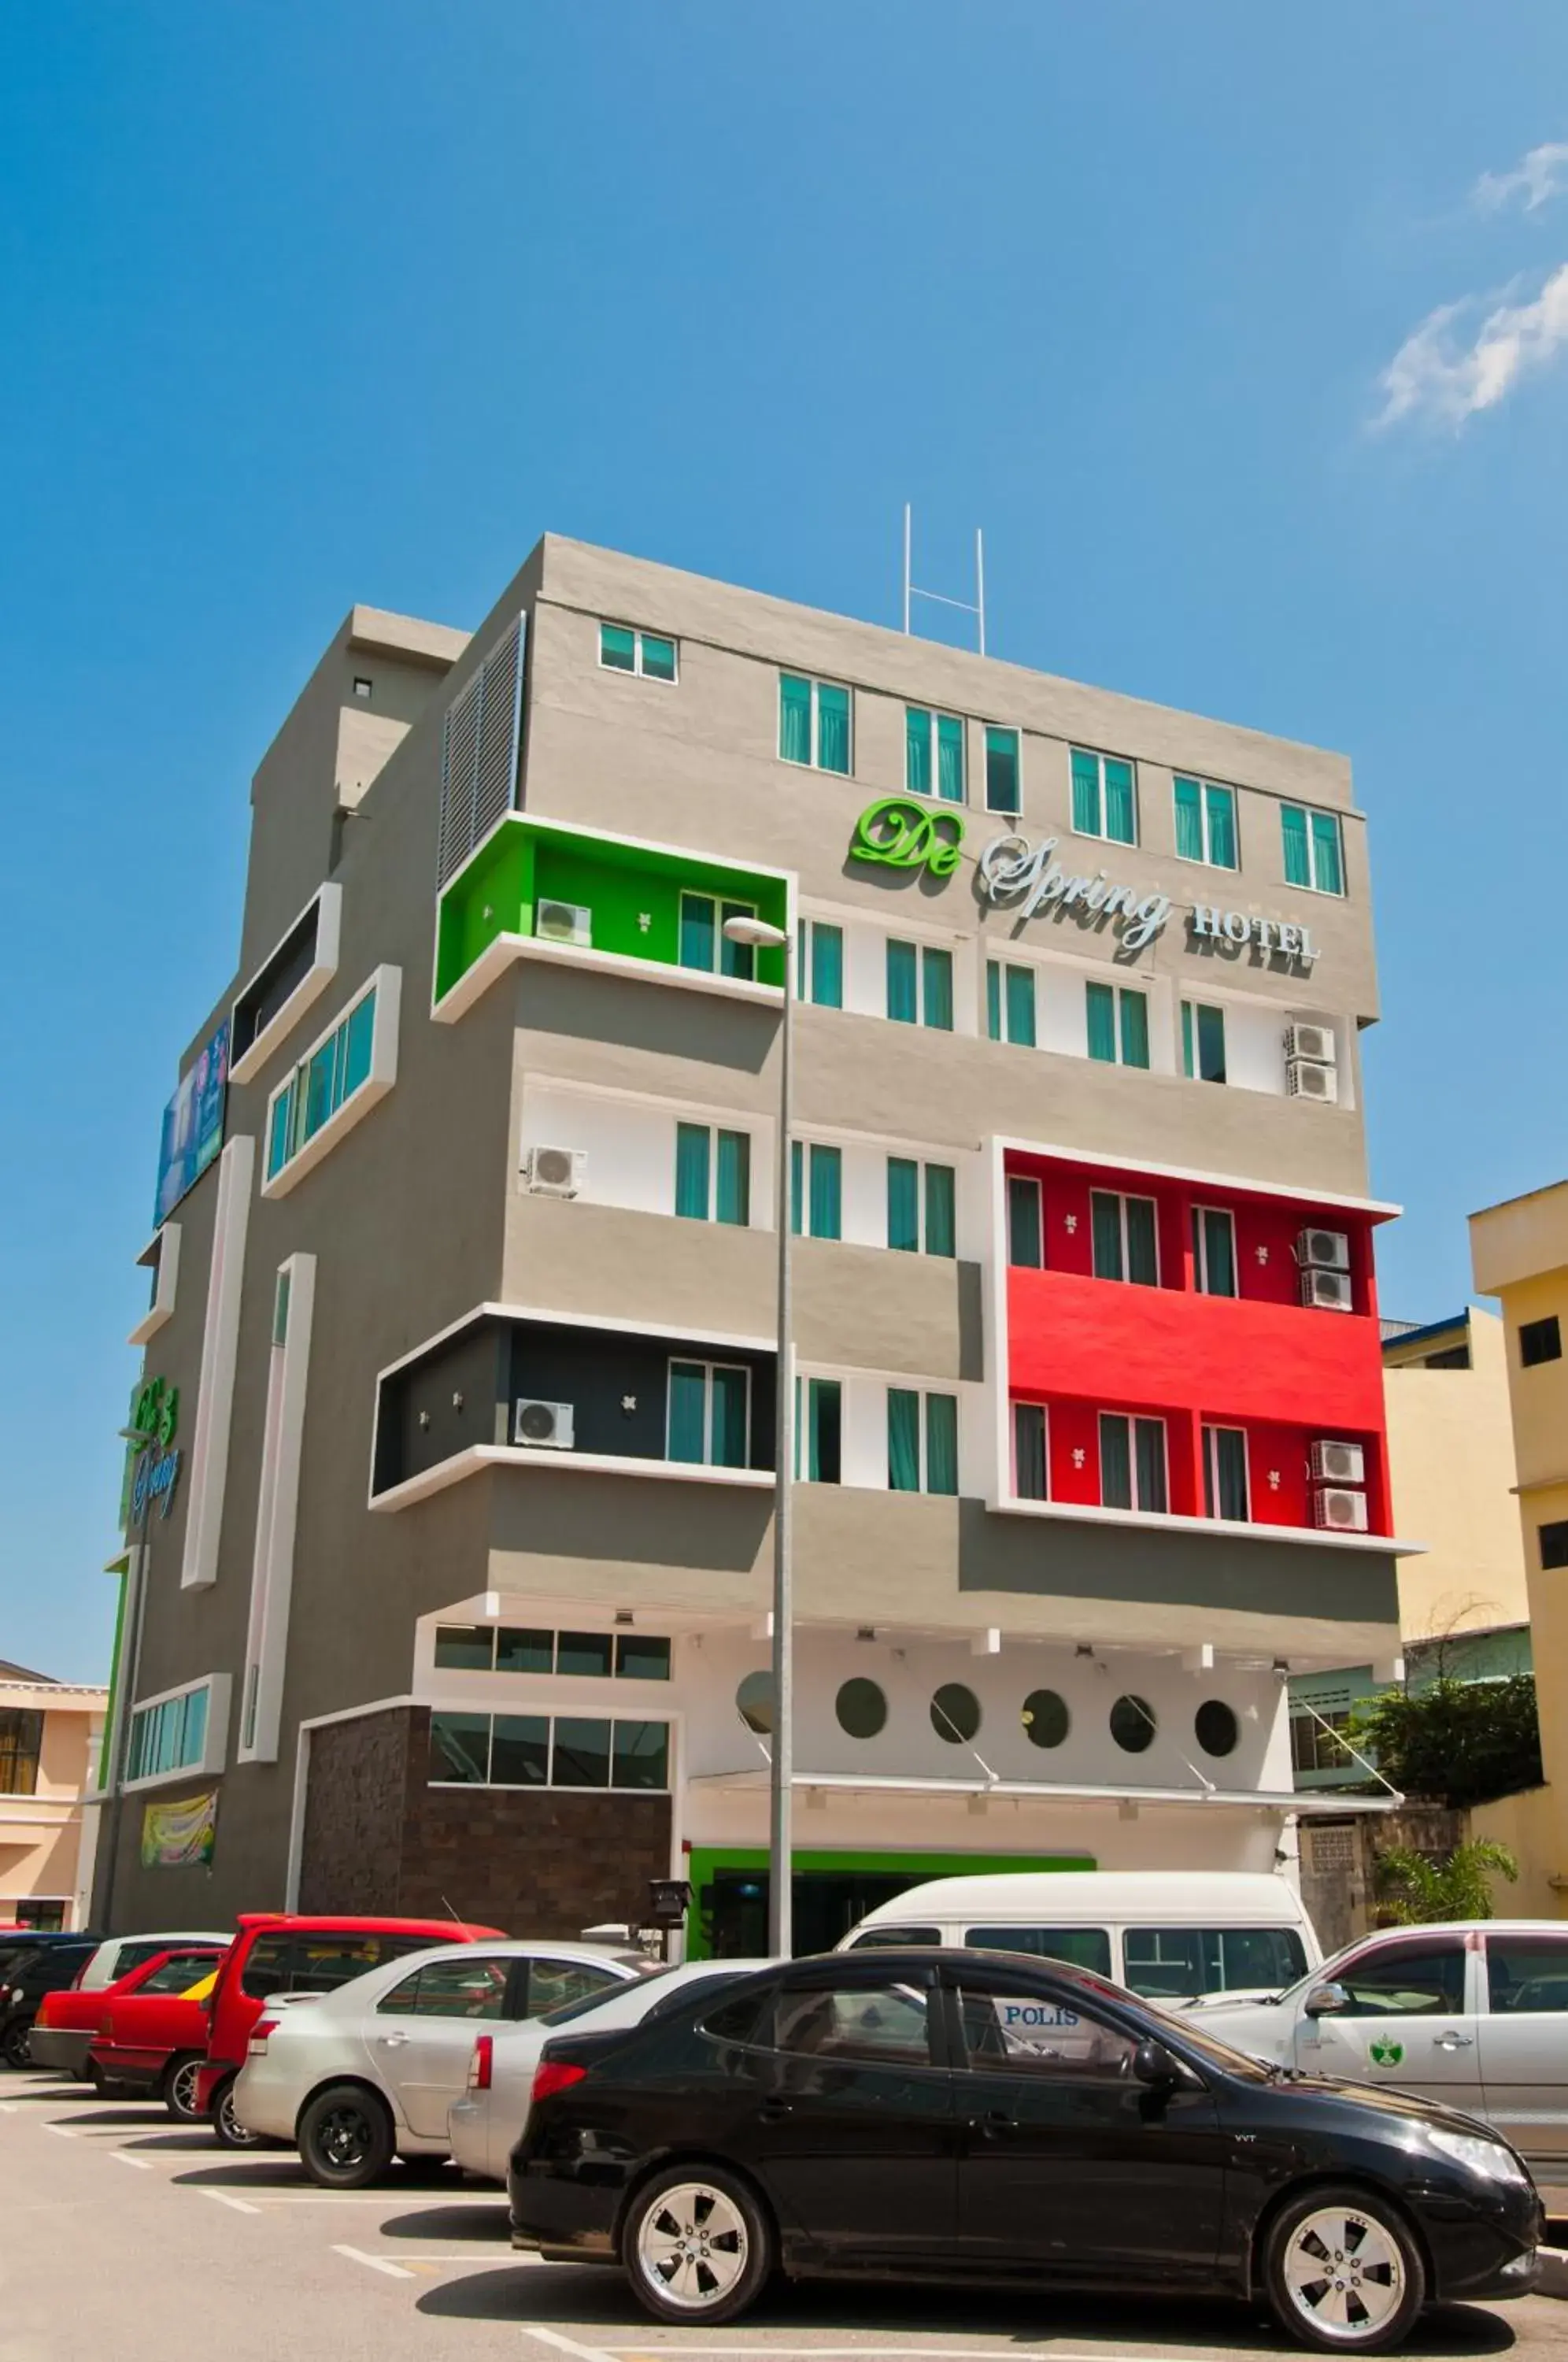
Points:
174	1836
192	1124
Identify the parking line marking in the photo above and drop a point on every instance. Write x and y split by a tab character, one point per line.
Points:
63	2131
566	2345
376	2263
222	2197
124	2157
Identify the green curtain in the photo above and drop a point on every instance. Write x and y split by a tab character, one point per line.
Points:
833	728
1021	1006
1134	1027
1086	794
732	1390
659	658
936	975
1105	1226
1001	771
1219	1252
1151	1451
827	1193
732	1192
794	718
903	1441
917	750
1225	1459
1298	859
941	1218
280	1127
1099	1001
1029	1451
903	1204
1186	1064
797	1187
1143	1254
1023	1247
941	1443
1327	873
699	931
826	1422
827	964
318	1099
950	759
687	1411
1115	1462
736	959
993	999
1221	806
903	987
691	1170
357	1043
1189	820
1211	1045
1120	804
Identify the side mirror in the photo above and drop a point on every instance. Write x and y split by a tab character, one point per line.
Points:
1325	2001
1153	2064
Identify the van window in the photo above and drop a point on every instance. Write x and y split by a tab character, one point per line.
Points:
1084	1947
266	1968
1169	1963
883	1938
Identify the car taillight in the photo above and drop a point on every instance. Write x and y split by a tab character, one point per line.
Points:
259	2033
553	2075
481	2064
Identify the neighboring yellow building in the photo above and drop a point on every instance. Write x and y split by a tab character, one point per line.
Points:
1451	1456
1519	1254
49	1735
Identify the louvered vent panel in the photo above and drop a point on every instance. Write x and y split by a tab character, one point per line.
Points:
459	749
478	752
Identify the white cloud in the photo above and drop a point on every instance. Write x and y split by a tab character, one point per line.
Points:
1444	373
1538	177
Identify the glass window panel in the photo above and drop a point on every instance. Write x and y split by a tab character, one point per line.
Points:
267	1966
794	718
640	1657
617	648
917	750
903	1204
903	985
1001	770
1219	808
194	1740
1024	2033
584	1654
1219	1258
797	1184
1297	858
993	999
1021	1006
940	1219
1115	1462
641	1756
357	1038
692	1149
470	1988
522	1648
827	1193
1527	1976
950	759
827	966
1231	1469
732	1196
732	1397
881	2025
1187	1050
1086	793
1023	1223
1104	1228
936	977
1150	1437
1211	1045
459	1748
658	657
824	1440
278	1131
832	728
520	1750
687	1411
699	931
1189	820
1326	872
1134	1029
903	1440
1143	1252
1121	804
1426	1981
1100	1005
582	1753
941	1443
319	1102
736	959
1085	1948
1029	1451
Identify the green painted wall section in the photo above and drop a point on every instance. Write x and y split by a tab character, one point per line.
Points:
525	862
122	1582
704	1861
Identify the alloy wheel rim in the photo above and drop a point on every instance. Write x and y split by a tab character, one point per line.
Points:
182	2087
693	2246
345	2138
239	2135
1344	2274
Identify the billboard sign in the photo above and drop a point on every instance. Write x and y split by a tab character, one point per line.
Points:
192	1124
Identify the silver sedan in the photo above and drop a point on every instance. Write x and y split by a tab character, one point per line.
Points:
485	2125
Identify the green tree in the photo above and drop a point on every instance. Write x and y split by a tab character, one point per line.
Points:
1417	1892
1459	1743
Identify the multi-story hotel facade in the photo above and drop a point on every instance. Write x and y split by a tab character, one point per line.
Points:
449	1570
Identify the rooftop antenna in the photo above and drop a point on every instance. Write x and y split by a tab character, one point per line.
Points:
976	607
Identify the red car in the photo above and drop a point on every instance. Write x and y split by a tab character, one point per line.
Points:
152	2041
70	2021
280	1952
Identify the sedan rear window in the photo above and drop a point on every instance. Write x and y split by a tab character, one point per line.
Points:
881	2025
1085	1948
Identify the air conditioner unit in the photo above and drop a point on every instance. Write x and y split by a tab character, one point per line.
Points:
1314	1041
1338	1464
555	1171
1339	1511
1305	1081
543	1426
564	923
1323	1251
1326	1291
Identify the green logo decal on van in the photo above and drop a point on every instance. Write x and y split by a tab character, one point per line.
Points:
1384	2053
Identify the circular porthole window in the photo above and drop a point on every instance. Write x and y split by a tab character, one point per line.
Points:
861	1709
955	1713
1215	1728
754	1701
1133	1724
1045	1718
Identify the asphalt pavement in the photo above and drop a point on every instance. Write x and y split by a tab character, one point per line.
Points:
125	2235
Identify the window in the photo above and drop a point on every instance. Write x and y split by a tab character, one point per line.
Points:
1174	1963
1214	1251
881	2026
1117	1024
1084	1947
1526	1975
1124	1238
1407	1981
1225	1473
622	649
819	978
361	686
1009	1003
518	1648
176	1976
861	1708
923	1442
1105	802
1554	1544
1216	1728
1132	1463
640	1657
469	1988
560	1985
266	1969
913	1191
1315	1749
1313	852
322	1960
1205	823
819	1435
537	1750
919	986
813	723
585	1655
1202	1042
21	1743
1133	1724
710	1414
170	1736
1013	2030
703	943
1003	787
1030	1478
955	1714
712	1174
934	754
1045	1718
467	1648
816	1211
1025	1223
322	1084
1540	1340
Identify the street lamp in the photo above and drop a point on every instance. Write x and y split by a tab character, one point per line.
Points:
118	1739
780	1914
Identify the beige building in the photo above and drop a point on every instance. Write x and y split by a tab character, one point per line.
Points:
1451	1458
50	1736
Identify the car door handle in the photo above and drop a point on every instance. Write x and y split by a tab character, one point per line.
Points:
1454	2042
390	2041
994	2121
773	2109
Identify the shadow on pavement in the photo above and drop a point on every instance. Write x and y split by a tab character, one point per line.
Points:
464	2219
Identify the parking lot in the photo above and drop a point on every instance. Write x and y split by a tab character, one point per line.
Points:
129	2236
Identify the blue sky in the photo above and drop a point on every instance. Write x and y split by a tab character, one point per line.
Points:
1240	331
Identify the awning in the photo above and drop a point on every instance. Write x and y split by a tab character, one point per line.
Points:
1312	1804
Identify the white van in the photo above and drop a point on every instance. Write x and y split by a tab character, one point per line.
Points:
1166	1933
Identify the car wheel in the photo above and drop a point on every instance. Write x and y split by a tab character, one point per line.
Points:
231	2133
697	2245
178	2093
16	2043
345	2138
1343	2272
94	2074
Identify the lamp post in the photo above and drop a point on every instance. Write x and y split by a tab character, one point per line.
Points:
118	1739
781	1899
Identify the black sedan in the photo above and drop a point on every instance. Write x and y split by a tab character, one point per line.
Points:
970	2115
